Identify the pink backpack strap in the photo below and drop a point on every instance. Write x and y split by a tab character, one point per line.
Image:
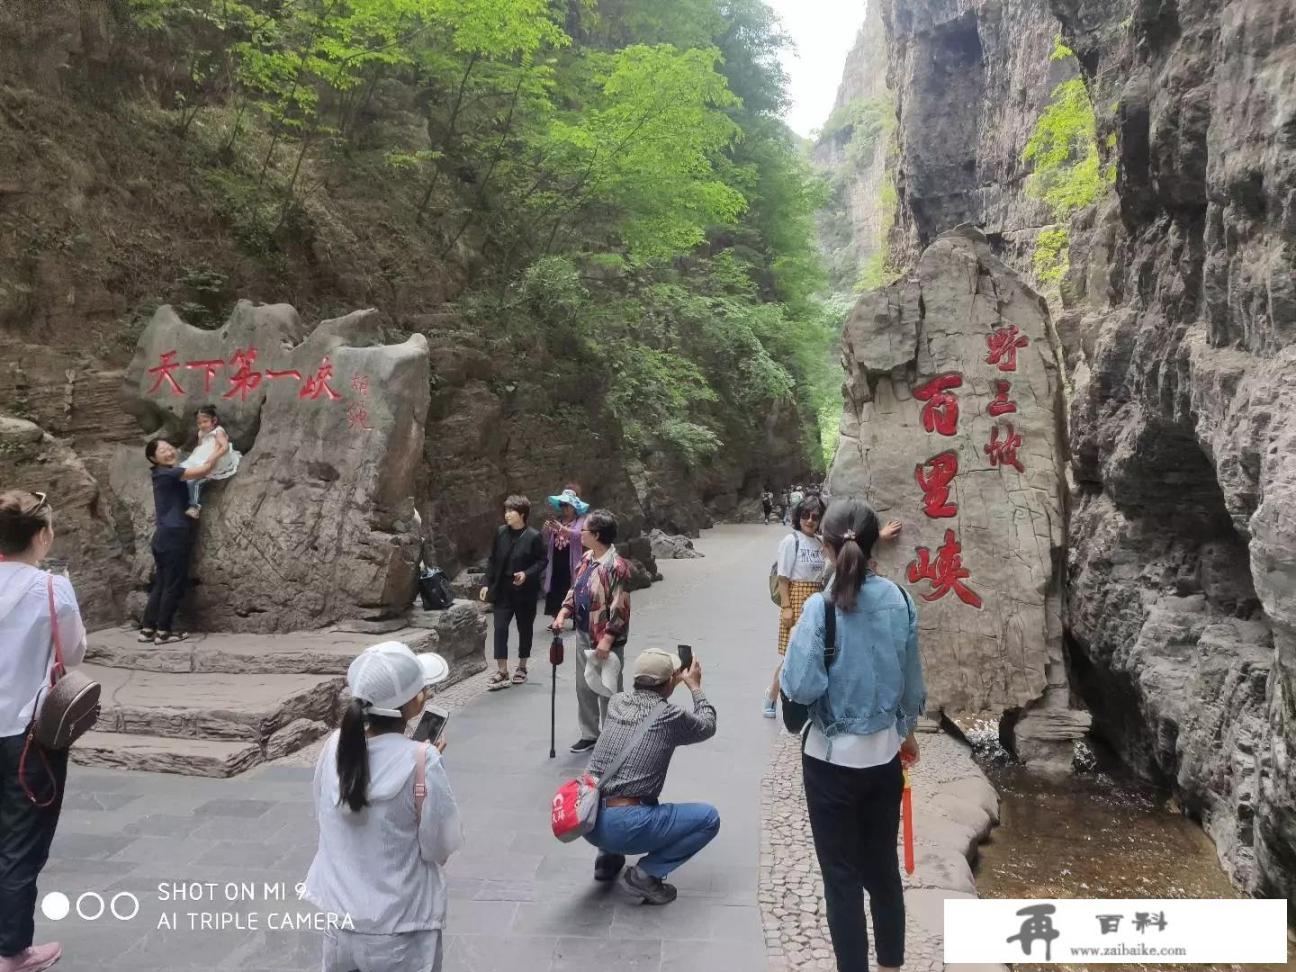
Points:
420	781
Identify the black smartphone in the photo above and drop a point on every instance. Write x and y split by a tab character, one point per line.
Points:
432	725
685	653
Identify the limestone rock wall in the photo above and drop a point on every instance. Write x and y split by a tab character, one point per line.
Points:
1178	328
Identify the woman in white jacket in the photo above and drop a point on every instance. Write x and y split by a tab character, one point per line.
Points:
378	869
31	778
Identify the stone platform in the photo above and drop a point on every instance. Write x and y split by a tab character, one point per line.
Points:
218	704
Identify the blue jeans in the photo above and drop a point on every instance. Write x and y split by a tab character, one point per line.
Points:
195	490
668	833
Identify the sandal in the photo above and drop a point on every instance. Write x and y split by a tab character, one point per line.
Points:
147	635
499	680
169	637
519	677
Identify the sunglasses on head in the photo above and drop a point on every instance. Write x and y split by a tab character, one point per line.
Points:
41	503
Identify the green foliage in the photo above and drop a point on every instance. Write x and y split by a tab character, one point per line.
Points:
1067	172
614	172
1051	257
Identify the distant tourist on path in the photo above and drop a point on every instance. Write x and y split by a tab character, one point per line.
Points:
30	805
767	505
512	585
800	566
630	820
565	550
172	537
210	437
380	856
863	709
599	604
783	506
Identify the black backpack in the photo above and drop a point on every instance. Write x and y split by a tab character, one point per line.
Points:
796	715
434	588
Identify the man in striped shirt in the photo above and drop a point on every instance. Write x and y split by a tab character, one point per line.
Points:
631	820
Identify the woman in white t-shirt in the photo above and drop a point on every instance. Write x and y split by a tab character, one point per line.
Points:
31	792
800	566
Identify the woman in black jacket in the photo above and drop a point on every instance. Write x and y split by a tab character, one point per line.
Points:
517	561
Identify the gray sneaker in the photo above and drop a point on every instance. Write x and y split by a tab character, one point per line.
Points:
652	890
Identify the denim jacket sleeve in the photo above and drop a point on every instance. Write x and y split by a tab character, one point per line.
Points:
804	678
913	702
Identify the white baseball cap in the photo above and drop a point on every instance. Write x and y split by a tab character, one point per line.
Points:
385	677
435	668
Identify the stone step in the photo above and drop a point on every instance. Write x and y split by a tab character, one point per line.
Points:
161	754
297	653
213	705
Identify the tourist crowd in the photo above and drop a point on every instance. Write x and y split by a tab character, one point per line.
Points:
849	679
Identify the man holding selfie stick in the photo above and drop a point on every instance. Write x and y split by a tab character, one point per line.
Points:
630	819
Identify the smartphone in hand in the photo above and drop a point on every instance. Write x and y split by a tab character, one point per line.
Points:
685	653
432	725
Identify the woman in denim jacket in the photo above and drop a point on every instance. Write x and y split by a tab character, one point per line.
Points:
863	708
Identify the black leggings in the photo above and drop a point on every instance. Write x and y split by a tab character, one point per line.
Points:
170	580
855	818
26	832
525	612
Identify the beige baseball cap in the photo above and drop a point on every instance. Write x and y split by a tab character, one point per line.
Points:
656	665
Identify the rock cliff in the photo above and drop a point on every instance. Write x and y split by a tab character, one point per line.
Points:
1178	326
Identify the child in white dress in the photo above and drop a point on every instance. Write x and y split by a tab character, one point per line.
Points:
210	435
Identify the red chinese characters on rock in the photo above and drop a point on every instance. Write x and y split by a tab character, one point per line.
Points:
245	379
318	384
360	385
1003	452
164	370
935	484
946	573
1001	405
210	366
358	417
941	412
1003	345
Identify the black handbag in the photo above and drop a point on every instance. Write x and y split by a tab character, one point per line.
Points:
796	715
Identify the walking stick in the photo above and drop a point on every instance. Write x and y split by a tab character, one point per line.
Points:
906	817
555	659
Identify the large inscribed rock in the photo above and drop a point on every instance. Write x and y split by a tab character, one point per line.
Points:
318	524
952	425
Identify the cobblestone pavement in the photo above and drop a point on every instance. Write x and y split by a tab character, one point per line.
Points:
791	888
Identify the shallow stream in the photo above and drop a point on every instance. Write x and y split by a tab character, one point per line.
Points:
1100	835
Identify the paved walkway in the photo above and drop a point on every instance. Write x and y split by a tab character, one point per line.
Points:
520	900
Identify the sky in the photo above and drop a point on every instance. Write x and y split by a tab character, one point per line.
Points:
823	31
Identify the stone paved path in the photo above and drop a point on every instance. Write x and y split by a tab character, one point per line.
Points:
520	900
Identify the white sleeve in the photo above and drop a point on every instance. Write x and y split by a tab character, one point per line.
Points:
72	633
787	556
441	828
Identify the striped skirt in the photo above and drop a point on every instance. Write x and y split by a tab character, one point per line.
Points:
798	593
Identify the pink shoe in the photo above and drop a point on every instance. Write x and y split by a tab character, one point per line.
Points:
35	959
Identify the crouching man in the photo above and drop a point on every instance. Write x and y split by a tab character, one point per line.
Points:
631	820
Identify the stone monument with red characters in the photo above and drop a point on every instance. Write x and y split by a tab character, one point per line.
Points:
318	525
953	424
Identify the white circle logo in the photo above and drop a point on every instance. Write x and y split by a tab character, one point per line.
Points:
90	895
55	906
135	906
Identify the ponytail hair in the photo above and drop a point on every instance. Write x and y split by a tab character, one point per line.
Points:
353	757
353	752
851	528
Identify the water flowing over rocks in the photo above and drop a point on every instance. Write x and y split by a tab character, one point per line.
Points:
952	425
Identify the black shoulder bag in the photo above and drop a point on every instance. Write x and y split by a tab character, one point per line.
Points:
796	715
